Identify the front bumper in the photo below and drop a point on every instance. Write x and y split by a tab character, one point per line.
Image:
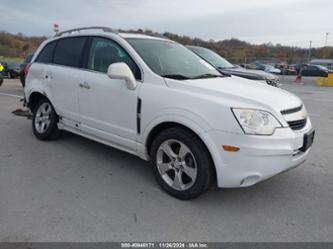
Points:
259	157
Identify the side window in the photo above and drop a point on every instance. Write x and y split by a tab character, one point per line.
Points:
45	56
104	52
68	51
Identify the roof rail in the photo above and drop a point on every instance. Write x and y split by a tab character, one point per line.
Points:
105	29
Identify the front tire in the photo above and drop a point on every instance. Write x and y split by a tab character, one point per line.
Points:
44	121
181	163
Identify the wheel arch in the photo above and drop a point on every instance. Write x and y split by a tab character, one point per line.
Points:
194	129
34	98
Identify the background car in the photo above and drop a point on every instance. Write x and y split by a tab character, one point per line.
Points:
11	69
23	68
271	69
253	66
1	78
226	67
290	70
312	70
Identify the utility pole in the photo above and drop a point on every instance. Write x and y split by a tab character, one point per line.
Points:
309	58
326	38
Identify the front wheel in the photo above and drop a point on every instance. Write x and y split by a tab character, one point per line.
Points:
44	121
181	163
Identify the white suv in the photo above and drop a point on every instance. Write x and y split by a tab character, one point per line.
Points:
156	99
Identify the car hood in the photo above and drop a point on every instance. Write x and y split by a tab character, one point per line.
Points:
239	92
249	73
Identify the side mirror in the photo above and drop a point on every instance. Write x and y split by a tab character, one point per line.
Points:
121	71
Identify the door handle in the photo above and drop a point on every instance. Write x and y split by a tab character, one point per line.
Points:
85	85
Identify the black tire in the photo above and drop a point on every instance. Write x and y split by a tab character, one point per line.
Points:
1	81
205	175
52	131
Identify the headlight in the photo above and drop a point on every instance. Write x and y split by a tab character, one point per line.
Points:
256	121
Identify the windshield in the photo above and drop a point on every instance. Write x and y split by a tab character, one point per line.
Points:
322	67
172	60
212	57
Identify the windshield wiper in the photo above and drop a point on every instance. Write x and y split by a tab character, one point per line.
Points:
223	72
222	68
176	76
206	75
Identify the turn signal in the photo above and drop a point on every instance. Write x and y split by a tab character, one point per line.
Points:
230	148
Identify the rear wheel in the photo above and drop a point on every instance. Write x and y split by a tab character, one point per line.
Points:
44	121
181	163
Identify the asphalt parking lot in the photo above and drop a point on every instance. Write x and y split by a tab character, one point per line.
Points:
74	189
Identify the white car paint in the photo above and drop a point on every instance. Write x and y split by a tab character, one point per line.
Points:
108	111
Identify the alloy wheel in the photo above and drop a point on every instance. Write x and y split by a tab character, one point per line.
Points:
176	164
43	118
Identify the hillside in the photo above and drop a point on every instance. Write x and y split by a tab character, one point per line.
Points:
18	45
233	49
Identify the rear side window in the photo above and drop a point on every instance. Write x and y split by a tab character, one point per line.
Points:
45	56
312	68
68	51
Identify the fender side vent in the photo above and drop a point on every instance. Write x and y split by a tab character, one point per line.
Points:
138	116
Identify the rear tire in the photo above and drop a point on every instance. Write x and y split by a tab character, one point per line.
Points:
44	121
182	164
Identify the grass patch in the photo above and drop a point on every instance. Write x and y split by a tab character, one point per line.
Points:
11	59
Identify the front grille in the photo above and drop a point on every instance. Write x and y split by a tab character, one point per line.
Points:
272	82
297	124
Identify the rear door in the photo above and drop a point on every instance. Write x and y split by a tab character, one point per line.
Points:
64	75
38	76
107	107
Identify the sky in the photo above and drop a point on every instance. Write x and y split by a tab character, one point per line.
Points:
287	22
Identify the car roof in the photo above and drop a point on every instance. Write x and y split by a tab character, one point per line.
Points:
125	35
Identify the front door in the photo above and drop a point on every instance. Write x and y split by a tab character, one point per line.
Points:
107	107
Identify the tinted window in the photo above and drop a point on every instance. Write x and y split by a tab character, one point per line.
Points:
45	56
68	51
104	52
312	68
